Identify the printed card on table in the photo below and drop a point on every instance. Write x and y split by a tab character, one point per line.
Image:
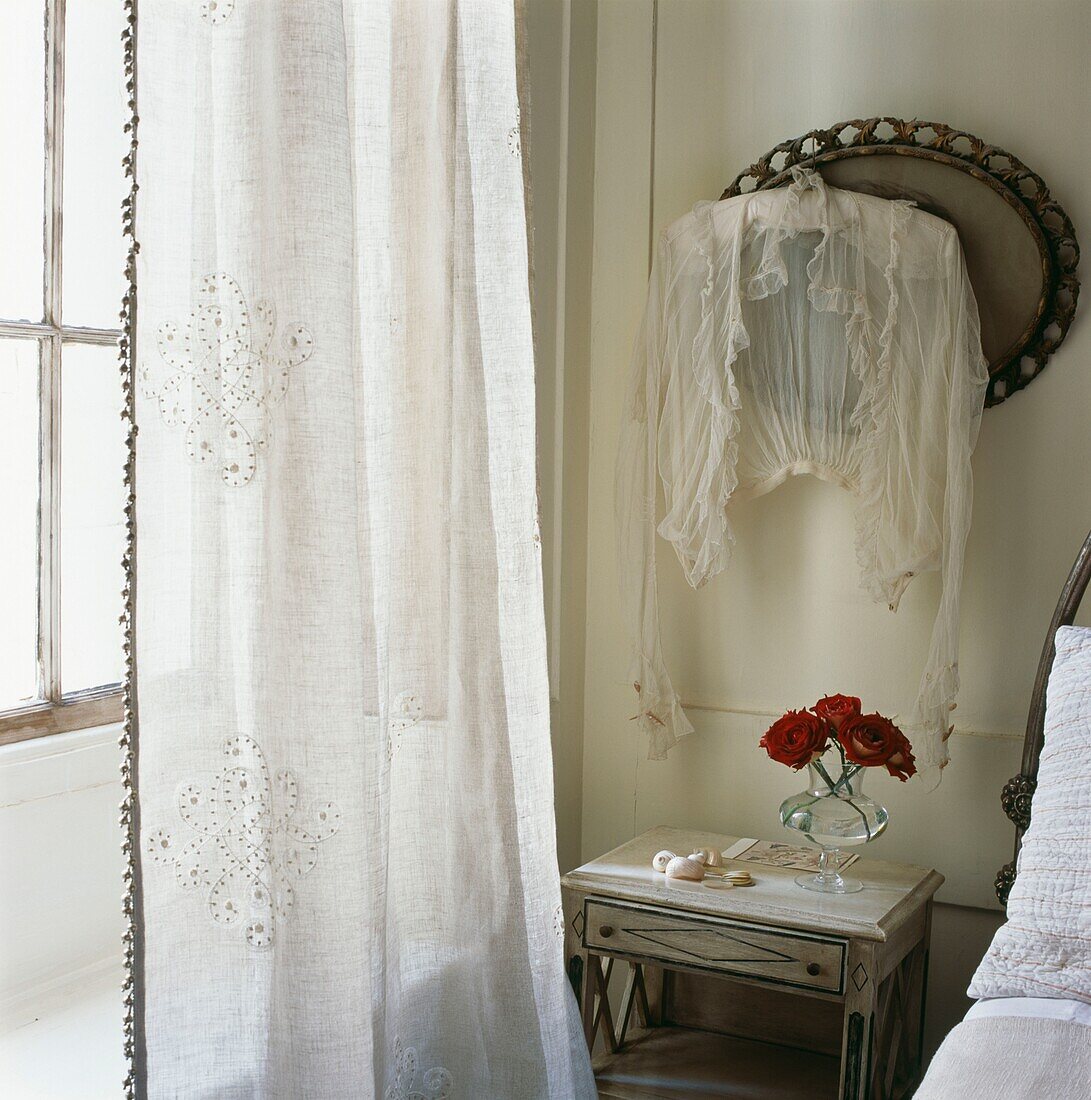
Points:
772	853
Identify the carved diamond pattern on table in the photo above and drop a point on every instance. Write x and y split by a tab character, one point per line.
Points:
710	945
859	977
578	923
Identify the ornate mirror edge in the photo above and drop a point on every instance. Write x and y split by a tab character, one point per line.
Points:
1004	171
1016	798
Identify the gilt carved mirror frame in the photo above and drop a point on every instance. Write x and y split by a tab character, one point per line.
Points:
1020	245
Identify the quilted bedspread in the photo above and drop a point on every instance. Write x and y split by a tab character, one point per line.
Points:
1011	1058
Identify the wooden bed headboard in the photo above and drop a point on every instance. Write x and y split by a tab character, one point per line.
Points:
1019	790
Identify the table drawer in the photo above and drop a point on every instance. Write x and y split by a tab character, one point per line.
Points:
710	943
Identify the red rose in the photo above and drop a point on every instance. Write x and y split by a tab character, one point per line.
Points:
836	708
871	740
796	738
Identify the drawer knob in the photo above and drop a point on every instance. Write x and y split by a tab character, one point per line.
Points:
606	931
814	969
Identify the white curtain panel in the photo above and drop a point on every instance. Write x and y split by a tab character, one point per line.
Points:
347	870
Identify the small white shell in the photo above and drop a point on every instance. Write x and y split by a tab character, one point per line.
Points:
685	868
661	859
710	857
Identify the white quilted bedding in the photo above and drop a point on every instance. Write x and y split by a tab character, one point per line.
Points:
1015	1057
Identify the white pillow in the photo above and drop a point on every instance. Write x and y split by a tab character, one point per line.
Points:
1044	949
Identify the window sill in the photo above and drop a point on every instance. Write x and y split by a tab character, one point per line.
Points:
46	719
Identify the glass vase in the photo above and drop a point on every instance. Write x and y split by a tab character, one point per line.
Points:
833	813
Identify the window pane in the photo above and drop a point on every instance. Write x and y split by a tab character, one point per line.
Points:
95	114
19	508
22	165
92	517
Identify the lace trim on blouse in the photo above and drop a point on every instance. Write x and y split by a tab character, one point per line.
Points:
872	417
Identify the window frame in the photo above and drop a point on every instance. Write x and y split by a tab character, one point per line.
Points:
53	711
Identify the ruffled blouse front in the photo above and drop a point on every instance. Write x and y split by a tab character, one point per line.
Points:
803	329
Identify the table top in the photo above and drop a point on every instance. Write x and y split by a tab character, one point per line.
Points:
892	893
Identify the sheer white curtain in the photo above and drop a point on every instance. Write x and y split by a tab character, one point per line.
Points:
347	872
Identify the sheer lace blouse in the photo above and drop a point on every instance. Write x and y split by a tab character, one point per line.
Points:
803	329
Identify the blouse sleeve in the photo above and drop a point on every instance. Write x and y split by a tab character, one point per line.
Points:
964	384
659	712
919	497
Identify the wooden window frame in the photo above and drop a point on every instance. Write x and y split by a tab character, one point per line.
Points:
54	712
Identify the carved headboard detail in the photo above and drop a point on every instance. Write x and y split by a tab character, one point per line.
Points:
1019	790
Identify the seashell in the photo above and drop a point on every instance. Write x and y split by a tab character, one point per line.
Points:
710	857
661	859
685	868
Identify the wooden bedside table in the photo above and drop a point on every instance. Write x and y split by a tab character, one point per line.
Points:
766	991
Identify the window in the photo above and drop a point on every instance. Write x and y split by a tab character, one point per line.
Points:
62	441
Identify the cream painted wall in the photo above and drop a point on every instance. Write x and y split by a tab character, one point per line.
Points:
725	80
561	40
788	621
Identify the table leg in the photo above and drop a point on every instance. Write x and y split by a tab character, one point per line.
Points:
899	1019
634	998
597	1014
575	956
655	982
917	1001
858	1035
587	1000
